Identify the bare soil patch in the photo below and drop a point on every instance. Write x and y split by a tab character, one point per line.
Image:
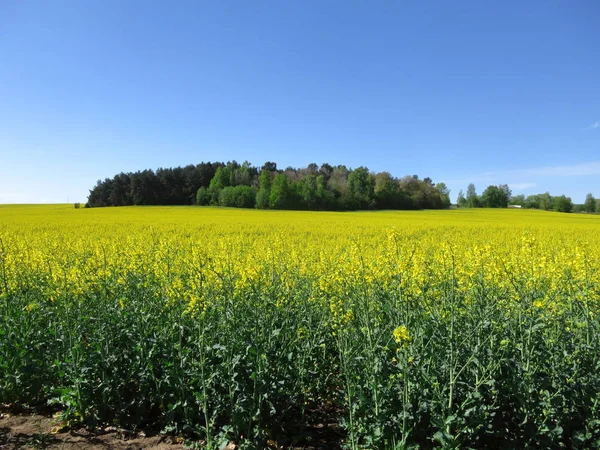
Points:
34	431
21	428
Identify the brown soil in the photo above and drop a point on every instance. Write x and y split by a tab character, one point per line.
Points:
25	429
33	431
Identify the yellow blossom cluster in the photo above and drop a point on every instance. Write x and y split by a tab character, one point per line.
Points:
193	256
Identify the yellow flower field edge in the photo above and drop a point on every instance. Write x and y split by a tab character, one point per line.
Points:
445	329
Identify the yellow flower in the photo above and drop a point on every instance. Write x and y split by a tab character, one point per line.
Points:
402	336
30	307
301	332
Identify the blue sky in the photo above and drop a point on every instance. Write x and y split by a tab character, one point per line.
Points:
489	92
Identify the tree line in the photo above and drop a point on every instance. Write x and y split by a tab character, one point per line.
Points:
325	187
500	196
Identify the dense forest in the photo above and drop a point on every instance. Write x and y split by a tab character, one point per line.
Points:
325	188
242	185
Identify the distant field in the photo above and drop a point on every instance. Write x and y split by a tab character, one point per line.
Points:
453	328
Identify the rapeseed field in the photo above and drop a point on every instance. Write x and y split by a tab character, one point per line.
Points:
435	329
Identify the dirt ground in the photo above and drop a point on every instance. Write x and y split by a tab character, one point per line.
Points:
24	429
33	431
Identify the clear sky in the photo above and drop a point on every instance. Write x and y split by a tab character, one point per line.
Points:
460	91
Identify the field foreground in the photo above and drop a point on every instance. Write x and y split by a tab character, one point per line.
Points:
445	329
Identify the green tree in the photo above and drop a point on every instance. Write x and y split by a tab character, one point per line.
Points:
546	201
563	204
120	192
495	196
385	190
517	200
506	192
264	180
264	191
361	187
540	201
244	175
590	203
532	202
220	180
326	170
337	183
279	197
461	201
325	197
308	191
472	198
238	196
444	194
269	166
202	196
262	199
